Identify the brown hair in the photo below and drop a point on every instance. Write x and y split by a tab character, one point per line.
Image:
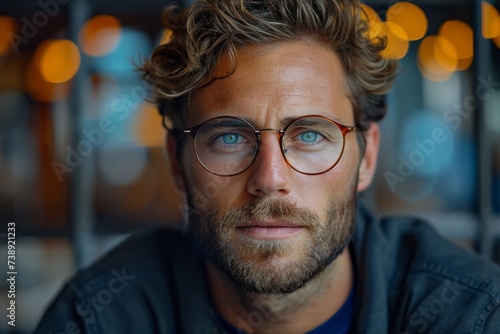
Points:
208	28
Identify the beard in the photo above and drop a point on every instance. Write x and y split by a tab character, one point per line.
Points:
273	266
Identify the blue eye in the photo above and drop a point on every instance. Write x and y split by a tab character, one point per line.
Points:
230	138
309	136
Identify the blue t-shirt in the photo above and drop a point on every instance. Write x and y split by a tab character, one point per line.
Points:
339	323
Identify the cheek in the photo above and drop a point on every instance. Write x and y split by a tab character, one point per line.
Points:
348	166
210	192
320	191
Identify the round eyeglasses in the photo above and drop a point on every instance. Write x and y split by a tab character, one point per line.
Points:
228	145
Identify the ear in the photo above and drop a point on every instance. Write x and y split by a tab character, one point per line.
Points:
175	164
368	162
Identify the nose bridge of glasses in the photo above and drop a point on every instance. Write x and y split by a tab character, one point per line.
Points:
270	147
278	132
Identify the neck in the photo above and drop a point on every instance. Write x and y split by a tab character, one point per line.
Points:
297	312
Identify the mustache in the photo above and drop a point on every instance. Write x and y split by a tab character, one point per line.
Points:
261	209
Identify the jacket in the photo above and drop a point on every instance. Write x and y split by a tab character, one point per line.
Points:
408	280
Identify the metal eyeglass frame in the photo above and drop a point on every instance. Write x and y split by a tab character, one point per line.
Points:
345	129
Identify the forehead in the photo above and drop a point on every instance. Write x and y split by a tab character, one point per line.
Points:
275	82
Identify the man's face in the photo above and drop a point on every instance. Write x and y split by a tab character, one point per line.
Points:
272	229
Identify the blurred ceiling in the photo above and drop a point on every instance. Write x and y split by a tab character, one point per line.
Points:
29	7
25	7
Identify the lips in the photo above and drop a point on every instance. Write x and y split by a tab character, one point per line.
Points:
270	230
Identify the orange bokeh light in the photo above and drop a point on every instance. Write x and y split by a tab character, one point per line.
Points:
374	21
461	36
437	58
60	61
410	18
490	20
397	41
445	54
100	35
148	129
38	88
166	36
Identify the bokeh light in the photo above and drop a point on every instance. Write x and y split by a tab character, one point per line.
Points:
427	142
120	62
38	88
7	26
60	61
397	41
410	18
166	36
374	21
100	35
437	58
427	146
445	54
490	20
461	36
148	129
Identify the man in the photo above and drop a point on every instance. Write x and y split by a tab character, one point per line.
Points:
271	109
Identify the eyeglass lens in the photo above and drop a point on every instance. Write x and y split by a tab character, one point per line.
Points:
227	146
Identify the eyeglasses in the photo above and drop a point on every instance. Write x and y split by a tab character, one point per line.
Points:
228	145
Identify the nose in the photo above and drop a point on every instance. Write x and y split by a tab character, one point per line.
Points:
270	172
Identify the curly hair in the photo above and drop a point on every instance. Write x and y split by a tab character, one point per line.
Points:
208	28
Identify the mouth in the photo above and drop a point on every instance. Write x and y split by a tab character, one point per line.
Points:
270	230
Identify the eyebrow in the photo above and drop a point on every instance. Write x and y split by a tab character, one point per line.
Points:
287	120
229	123
283	123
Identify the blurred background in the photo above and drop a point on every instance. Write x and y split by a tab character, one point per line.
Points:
82	161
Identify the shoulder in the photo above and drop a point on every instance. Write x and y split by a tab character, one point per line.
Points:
148	255
414	242
446	287
433	285
141	252
129	289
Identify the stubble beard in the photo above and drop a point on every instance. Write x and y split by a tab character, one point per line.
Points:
262	266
